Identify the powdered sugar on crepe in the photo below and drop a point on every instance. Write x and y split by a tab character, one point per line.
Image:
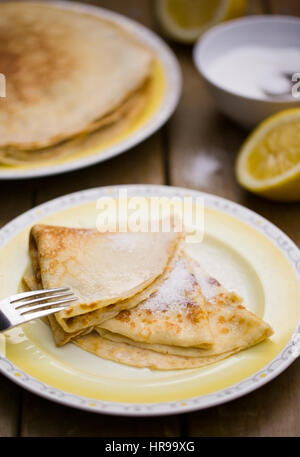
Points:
174	291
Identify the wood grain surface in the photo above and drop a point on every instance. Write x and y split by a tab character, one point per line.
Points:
195	149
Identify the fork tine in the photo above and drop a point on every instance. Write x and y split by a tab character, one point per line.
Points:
21	304
39	314
38	293
48	306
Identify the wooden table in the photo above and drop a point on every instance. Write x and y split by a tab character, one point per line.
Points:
196	149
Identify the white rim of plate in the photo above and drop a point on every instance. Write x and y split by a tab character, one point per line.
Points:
253	382
170	99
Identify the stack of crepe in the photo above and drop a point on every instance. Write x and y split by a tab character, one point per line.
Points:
142	300
72	80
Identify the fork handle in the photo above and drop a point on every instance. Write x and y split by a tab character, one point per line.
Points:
4	322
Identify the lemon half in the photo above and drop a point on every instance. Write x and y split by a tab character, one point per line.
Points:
269	161
186	20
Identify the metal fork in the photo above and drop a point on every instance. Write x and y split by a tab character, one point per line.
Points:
20	308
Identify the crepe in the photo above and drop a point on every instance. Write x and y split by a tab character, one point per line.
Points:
138	357
106	130
65	72
160	333
62	337
175	315
142	301
99	268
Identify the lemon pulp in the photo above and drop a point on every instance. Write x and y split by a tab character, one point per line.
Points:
277	152
192	13
269	161
186	20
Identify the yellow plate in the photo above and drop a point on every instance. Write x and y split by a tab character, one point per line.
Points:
241	249
165	89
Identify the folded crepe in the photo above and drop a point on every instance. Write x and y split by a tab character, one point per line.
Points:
142	301
108	272
138	357
108	129
174	316
190	321
67	73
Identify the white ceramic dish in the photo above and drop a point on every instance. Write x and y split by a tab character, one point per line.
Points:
166	93
272	31
240	248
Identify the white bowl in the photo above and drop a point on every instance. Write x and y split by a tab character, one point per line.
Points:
254	30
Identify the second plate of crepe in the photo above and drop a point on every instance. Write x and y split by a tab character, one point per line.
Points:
83	84
162	325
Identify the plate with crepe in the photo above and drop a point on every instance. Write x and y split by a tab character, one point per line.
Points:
79	85
185	311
